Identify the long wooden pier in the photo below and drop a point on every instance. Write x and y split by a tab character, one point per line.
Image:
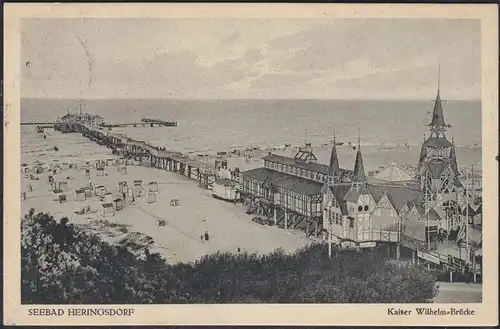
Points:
139	124
44	124
159	122
169	160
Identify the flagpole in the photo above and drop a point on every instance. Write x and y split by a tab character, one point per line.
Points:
428	232
329	237
467	217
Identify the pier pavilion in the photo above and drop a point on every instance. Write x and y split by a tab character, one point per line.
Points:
423	213
288	190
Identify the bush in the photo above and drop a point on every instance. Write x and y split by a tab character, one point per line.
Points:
61	264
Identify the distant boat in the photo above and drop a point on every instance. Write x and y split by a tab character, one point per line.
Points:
339	143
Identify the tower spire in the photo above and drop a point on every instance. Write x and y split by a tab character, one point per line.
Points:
334	167
438	125
359	170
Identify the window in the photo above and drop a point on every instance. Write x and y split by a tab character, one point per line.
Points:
337	219
360	208
366	208
351	222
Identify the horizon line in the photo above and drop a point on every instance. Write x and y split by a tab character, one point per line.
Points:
257	98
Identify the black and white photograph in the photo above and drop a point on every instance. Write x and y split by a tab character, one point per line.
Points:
251	160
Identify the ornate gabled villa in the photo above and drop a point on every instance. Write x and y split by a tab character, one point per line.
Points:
423	214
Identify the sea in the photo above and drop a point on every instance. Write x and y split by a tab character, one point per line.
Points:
221	125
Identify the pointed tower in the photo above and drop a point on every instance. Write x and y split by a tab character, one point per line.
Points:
438	170
334	167
422	153
359	169
453	159
438	126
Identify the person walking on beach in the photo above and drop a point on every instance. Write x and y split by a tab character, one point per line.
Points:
207	237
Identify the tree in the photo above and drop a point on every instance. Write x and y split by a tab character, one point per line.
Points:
62	264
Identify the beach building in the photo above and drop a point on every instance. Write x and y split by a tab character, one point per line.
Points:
107	209
288	190
362	211
80	195
118	204
123	187
225	189
153	186
438	171
423	214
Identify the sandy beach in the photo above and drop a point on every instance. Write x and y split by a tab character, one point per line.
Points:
198	212
179	240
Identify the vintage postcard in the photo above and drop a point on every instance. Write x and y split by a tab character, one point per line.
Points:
228	164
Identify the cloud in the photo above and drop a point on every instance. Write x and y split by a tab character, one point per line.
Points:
287	58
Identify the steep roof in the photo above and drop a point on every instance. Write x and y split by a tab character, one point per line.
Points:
397	195
339	191
436	168
437	114
422	153
433	215
359	170
393	174
470	211
353	194
334	168
437	142
300	185
453	159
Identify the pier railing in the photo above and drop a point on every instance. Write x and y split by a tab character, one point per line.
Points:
141	146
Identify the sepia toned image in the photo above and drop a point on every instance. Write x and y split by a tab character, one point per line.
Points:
222	159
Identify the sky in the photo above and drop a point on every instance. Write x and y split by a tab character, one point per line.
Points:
207	58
